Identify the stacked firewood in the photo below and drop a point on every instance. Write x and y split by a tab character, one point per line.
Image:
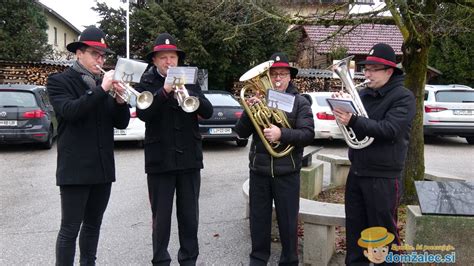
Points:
27	73
304	84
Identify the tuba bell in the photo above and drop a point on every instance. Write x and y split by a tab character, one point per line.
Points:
342	70
258	81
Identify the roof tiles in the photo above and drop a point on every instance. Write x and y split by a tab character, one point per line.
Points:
357	41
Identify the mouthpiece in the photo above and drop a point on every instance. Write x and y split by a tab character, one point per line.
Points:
278	84
101	69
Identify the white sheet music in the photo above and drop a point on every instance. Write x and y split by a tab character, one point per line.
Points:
128	70
280	100
183	75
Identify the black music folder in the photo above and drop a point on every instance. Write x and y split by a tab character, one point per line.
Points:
344	104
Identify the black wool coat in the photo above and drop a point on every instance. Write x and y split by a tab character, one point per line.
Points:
172	138
391	110
86	119
299	135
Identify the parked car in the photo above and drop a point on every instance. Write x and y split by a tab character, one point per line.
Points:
26	115
136	127
449	111
325	126
227	111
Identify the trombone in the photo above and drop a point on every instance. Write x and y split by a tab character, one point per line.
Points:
144	99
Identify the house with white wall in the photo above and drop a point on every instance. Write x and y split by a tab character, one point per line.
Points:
60	33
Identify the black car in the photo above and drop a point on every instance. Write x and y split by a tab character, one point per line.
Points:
26	115
227	111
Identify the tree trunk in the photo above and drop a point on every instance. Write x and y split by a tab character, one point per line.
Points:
415	63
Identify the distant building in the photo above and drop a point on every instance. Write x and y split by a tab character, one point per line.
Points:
60	33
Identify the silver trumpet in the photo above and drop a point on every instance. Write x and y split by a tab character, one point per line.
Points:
188	103
144	99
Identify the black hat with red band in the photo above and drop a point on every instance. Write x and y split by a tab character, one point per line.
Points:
382	54
165	42
281	60
92	37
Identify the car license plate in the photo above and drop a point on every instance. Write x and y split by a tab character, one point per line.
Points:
463	112
220	131
8	123
120	132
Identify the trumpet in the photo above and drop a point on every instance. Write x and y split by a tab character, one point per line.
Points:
144	99
188	103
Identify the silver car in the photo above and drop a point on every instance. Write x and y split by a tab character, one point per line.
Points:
449	111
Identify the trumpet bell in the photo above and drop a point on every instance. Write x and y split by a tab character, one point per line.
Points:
190	104
144	100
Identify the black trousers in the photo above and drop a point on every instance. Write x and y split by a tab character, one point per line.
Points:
161	190
285	191
369	201
81	205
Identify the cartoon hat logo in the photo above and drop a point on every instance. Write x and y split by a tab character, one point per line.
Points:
277	58
371	52
167	41
375	240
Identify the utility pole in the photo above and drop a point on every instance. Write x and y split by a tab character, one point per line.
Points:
127	38
128	29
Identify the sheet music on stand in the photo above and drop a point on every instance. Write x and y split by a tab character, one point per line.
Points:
183	75
344	104
128	70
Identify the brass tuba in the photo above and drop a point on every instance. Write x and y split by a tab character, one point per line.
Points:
258	79
342	70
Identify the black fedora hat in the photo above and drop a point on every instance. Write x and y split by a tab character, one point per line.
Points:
165	42
281	60
92	37
382	54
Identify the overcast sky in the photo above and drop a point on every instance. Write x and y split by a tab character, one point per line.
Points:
79	13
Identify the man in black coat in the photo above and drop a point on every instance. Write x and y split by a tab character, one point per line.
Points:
277	178
374	183
173	154
87	115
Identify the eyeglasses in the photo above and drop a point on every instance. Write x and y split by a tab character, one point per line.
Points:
281	75
373	70
96	55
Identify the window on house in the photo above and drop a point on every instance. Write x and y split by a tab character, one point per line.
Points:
55	36
65	39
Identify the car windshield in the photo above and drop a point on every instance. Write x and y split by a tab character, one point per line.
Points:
218	99
17	99
455	96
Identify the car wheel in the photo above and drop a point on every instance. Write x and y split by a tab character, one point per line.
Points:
140	144
242	142
470	140
49	142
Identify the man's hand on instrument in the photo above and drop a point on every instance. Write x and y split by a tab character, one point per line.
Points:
119	90
107	80
342	117
169	88
253	100
340	94
272	134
